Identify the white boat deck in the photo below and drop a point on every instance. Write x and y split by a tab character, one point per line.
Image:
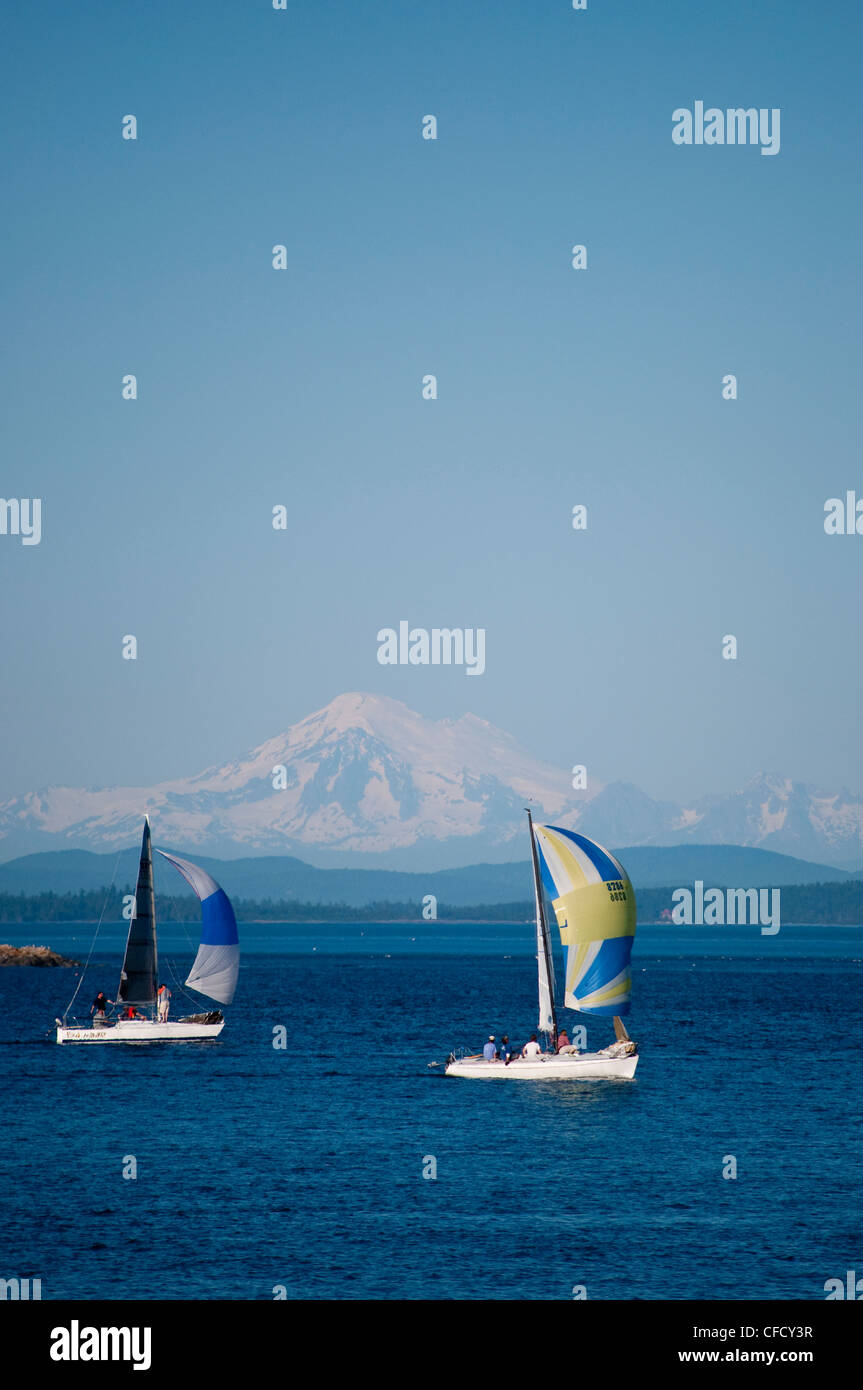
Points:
565	1066
137	1031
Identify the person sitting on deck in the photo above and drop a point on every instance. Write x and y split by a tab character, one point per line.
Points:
132	1012
489	1052
531	1049
505	1049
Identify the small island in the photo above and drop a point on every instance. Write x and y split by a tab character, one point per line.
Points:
32	955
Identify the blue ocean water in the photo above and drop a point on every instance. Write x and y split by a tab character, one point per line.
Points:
302	1168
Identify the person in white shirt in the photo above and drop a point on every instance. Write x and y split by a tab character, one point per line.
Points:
163	999
531	1049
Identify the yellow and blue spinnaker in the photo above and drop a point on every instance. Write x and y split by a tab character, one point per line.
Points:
594	903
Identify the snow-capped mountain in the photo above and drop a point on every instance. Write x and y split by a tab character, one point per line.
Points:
773	812
364	776
368	781
770	812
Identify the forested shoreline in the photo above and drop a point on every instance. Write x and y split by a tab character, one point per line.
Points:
819	904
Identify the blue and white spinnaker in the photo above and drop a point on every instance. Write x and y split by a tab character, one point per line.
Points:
217	963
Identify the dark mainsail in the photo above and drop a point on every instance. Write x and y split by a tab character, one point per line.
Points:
138	980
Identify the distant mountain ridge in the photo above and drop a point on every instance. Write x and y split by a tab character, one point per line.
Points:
367	781
288	879
365	776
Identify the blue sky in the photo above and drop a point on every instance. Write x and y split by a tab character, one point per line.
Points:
556	387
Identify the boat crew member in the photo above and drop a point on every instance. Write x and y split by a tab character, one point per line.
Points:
132	1012
98	1005
531	1049
505	1049
489	1052
163	999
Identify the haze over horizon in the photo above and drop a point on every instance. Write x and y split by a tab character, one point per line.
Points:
405	257
368	780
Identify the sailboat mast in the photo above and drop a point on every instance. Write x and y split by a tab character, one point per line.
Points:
155	939
138	977
544	936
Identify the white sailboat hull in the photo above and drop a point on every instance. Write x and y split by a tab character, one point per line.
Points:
586	1066
136	1030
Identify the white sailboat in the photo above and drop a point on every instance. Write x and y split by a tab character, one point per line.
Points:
214	973
594	904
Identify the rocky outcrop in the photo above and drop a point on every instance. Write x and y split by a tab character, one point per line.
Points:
32	955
